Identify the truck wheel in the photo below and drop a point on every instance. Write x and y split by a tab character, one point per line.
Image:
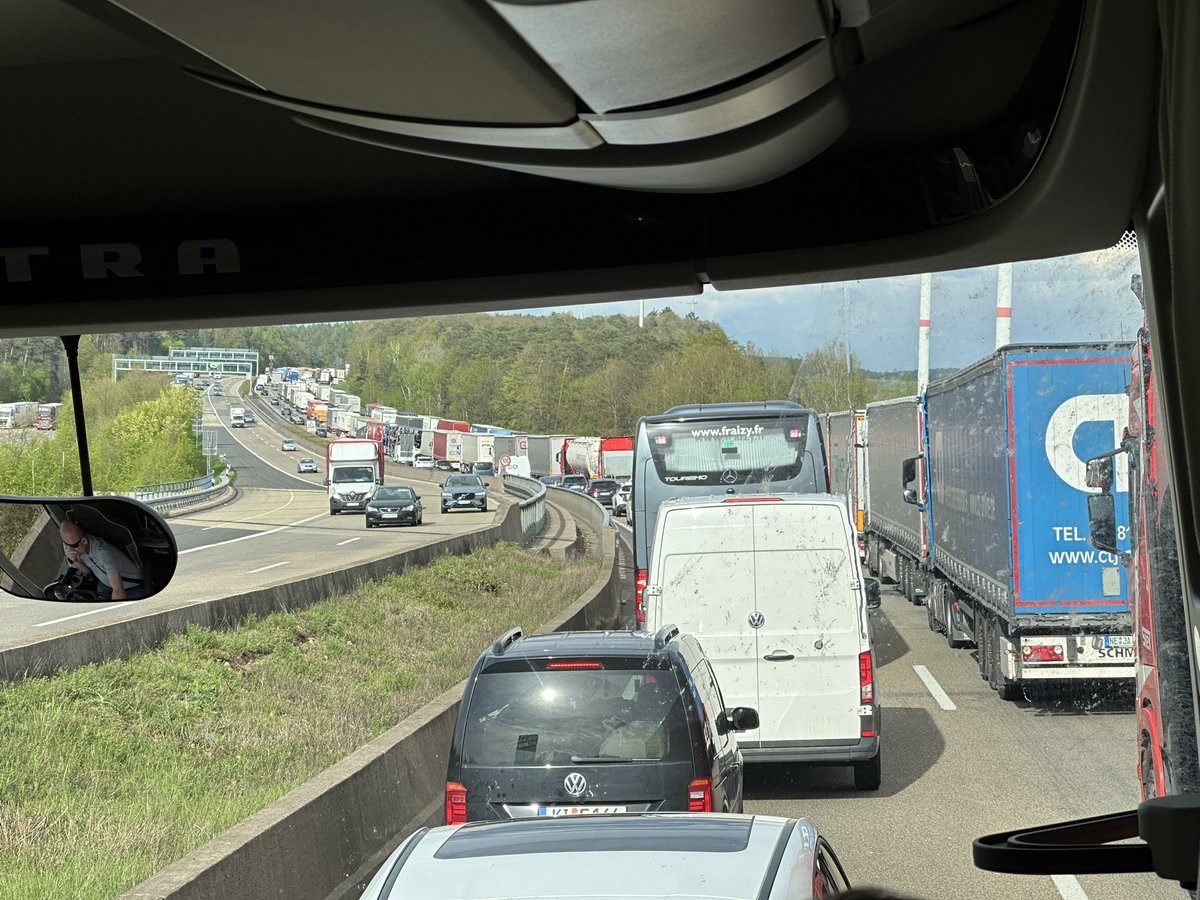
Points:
869	773
933	607
906	581
983	640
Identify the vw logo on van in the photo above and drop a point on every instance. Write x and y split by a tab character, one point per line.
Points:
756	619
575	784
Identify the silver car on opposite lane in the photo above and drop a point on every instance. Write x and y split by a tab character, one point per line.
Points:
650	856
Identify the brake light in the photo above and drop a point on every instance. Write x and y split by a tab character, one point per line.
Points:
866	678
1042	653
752	500
794	434
575	664
456	803
660	440
700	795
639	587
868	733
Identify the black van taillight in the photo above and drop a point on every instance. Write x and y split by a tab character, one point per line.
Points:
456	803
639	587
700	795
572	664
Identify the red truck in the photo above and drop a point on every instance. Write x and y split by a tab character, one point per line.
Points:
451	425
1167	753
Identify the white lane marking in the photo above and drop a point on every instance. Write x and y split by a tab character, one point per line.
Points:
90	612
343	543
1069	887
271	566
939	695
229	524
257	534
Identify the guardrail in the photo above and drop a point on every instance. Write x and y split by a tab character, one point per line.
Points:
148	492
533	507
164	501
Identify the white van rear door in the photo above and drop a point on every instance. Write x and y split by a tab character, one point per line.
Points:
703	566
811	632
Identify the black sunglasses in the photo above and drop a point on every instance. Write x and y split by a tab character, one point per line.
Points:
74	545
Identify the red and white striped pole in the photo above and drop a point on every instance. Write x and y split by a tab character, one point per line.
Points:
923	333
1004	276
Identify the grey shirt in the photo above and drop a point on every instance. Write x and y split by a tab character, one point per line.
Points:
103	558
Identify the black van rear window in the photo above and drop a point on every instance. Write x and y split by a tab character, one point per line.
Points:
549	717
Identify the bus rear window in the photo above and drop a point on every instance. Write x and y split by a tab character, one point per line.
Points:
724	452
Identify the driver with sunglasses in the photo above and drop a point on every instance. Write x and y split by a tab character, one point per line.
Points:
119	577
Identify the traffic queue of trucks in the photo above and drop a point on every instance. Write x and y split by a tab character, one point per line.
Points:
22	414
973	499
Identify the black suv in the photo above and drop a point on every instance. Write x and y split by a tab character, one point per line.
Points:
583	723
603	489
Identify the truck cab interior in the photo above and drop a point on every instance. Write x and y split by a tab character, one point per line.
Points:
185	163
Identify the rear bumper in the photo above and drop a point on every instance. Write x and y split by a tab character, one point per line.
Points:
836	750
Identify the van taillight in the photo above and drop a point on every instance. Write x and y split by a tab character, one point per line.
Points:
639	588
456	803
700	795
866	678
572	664
753	500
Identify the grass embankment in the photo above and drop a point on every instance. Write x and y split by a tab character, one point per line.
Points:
109	773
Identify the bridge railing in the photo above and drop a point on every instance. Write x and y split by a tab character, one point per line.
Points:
533	505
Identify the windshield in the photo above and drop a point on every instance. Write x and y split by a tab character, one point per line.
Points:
1014	672
394	493
353	474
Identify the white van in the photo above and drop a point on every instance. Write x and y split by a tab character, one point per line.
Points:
773	589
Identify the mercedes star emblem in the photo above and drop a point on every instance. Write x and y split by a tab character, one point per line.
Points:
756	619
729	476
575	784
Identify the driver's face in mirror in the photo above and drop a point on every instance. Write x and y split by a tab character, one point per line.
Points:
84	550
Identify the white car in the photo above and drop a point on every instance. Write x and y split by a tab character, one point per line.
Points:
653	856
287	444
423	462
620	500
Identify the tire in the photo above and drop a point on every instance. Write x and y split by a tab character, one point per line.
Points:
983	640
868	774
483	508
932	605
332	511
369	525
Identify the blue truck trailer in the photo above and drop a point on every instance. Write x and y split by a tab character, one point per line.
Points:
1001	488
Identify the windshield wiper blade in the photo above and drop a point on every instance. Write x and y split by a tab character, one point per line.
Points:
597	760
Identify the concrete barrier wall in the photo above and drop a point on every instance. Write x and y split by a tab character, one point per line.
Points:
325	839
120	640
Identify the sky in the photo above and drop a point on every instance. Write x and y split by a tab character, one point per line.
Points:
1073	298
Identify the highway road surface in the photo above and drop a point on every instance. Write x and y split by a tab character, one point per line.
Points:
277	530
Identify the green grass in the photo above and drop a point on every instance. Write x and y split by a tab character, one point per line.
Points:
111	772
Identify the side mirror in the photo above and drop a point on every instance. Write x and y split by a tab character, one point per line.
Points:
1100	473
742	718
41	539
908	471
910	496
873	601
1102	522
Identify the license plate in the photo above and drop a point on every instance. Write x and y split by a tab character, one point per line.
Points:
556	811
390	515
1118	640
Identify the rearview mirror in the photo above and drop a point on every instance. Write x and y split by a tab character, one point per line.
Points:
743	718
910	496
908	471
85	549
873	601
1099	473
1102	522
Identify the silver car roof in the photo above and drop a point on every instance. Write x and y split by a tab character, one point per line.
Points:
731	857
